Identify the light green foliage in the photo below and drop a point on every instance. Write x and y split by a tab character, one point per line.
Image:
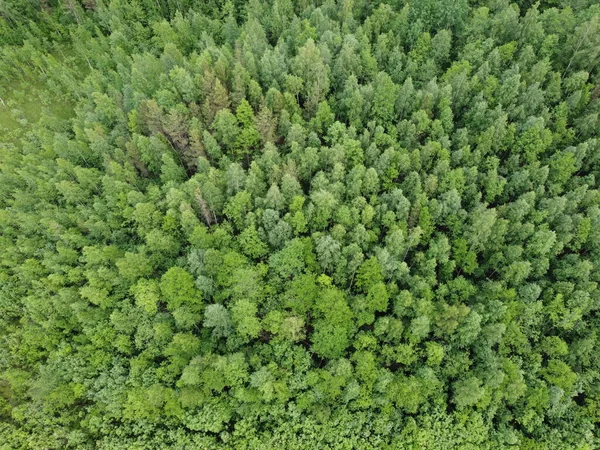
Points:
560	374
333	325
226	129
468	392
251	244
177	289
368	274
243	314
248	138
385	93
311	69
147	295
133	266
218	318
282	224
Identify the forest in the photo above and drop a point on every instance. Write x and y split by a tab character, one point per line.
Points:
299	224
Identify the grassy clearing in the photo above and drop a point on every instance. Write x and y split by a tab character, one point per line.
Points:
25	103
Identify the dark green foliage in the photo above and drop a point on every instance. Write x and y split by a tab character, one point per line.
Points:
299	224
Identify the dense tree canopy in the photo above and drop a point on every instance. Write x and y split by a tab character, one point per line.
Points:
306	224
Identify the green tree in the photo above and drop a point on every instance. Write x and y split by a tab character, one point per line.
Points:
178	289
334	324
309	66
248	138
